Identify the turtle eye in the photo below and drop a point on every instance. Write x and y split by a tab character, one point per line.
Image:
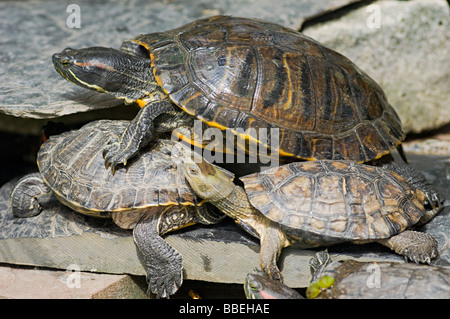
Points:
255	286
193	170
65	63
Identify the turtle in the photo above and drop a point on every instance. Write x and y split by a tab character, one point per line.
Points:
357	280
321	203
259	286
251	77
150	195
380	280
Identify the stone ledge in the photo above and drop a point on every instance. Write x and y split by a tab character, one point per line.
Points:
19	283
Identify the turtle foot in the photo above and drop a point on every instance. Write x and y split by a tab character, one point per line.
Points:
416	246
273	272
164	284
434	203
115	154
434	200
163	263
137	134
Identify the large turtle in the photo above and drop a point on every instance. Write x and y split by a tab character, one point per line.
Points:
243	75
150	195
320	203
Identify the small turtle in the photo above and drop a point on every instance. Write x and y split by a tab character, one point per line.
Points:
357	280
381	280
243	75
260	286
320	203
150	196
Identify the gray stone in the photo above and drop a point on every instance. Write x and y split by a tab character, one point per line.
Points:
434	146
17	283
31	31
408	55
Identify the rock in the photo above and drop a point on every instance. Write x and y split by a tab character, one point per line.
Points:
32	31
407	54
20	283
436	144
428	146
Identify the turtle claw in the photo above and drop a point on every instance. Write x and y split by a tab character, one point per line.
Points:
422	258
164	286
416	246
273	272
433	200
114	155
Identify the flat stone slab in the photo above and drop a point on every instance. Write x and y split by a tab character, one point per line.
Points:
32	31
59	238
19	283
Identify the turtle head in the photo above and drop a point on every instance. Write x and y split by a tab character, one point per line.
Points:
260	286
253	285
105	70
208	181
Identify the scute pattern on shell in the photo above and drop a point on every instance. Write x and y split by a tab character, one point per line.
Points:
326	201
240	73
73	166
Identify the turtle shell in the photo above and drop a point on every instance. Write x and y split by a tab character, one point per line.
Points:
332	201
72	165
245	75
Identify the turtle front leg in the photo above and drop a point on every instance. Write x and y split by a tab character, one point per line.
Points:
163	262
137	134
417	246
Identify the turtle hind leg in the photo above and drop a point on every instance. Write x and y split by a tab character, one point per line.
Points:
417	246
163	262
30	195
272	241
